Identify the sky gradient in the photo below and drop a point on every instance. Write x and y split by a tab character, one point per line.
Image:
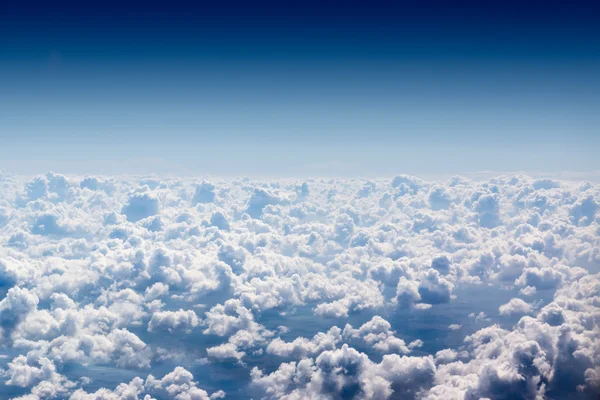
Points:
300	88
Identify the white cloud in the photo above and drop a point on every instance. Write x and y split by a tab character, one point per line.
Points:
184	320
140	206
205	193
349	372
178	385
515	306
139	273
301	347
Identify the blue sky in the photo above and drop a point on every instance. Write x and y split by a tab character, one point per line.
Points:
300	89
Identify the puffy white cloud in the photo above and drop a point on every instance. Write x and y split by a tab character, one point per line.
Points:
225	351
184	320
407	292
445	356
551	355
434	289
439	198
224	319
17	304
219	220
345	372
487	207
43	379
260	199
540	278
178	385
140	206
515	306
378	334
205	193
584	211
155	291
301	347
22	374
139	273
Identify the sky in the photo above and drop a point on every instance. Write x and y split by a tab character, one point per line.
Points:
299	88
372	200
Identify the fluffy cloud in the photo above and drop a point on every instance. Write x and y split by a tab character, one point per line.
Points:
140	206
376	334
173	320
515	306
323	288
205	193
178	384
553	355
302	347
345	372
259	199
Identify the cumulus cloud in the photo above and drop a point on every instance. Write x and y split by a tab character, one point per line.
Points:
515	307
301	347
15	307
205	193
584	211
140	206
531	361
345	372
173	320
375	334
259	199
324	288
219	220
178	384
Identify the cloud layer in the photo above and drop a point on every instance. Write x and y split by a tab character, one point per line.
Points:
151	288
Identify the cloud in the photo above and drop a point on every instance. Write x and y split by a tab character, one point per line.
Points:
178	385
376	334
173	320
22	374
515	306
301	347
445	356
531	361
434	289
140	206
219	220
487	206
584	211
439	198
259	199
322	288
225	351
205	193
17	304
345	372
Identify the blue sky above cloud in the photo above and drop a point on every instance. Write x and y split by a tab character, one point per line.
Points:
299	89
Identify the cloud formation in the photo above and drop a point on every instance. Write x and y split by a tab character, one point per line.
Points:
323	288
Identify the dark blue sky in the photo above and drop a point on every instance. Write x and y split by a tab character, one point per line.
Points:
299	87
